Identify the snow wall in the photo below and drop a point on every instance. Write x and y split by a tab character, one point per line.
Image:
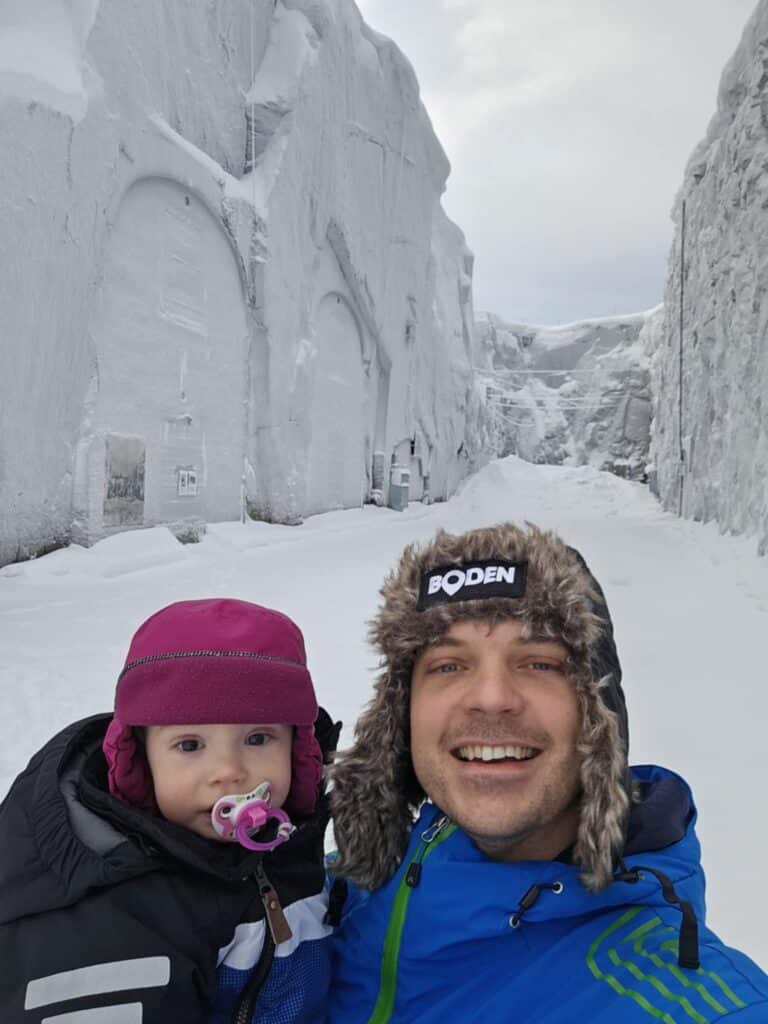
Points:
228	281
724	437
577	394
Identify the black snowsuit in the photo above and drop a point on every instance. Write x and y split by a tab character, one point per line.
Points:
86	879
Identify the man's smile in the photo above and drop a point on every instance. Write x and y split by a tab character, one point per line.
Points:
488	753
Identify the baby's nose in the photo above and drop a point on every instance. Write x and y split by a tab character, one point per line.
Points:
228	768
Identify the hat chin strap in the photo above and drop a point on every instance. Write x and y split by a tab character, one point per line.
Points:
239	816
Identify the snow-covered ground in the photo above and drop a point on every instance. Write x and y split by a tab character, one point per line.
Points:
690	609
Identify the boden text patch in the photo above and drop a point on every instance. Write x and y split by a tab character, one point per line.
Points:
475	581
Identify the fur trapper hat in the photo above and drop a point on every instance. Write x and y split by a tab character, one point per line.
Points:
376	794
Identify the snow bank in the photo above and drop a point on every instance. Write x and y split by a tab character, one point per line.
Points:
111	558
576	393
720	426
228	282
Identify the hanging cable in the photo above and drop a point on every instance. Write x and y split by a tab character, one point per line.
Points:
393	221
253	108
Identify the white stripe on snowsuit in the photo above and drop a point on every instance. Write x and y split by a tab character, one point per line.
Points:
305	918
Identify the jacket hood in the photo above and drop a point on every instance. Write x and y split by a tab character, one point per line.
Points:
69	835
548	587
59	849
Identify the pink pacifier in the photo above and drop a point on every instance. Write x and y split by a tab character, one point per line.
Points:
235	817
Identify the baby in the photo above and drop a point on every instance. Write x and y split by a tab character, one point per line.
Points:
166	863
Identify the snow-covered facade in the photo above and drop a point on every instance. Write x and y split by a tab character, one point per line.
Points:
577	394
710	440
228	280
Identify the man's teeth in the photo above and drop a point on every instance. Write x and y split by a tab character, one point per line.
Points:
495	753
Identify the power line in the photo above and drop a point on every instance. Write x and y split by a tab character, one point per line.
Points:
482	371
504	402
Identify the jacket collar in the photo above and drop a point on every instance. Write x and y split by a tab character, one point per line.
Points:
661	836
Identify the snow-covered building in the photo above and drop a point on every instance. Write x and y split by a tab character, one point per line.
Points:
576	394
228	281
710	369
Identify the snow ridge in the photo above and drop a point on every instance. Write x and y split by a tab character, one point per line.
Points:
709	439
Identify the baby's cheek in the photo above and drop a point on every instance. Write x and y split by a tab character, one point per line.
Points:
281	787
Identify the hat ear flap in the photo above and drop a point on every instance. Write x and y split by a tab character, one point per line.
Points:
130	779
605	795
306	772
375	791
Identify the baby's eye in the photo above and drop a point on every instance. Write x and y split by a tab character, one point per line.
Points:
188	746
257	739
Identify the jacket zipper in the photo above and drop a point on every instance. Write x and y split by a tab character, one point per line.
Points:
413	874
246	1004
278	931
439	829
278	925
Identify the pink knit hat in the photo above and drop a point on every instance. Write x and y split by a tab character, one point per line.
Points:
216	661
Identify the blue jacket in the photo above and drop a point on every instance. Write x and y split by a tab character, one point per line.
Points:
461	946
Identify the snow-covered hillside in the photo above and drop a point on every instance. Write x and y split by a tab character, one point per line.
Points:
689	607
575	394
718	417
228	279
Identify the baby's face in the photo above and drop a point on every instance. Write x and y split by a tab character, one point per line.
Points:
194	765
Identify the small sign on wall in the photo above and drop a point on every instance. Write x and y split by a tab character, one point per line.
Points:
125	460
186	483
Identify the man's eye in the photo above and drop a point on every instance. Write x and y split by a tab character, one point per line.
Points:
545	666
257	739
447	667
188	746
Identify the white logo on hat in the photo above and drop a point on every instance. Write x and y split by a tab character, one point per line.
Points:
455	579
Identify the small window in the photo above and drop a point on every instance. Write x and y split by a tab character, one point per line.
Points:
186	483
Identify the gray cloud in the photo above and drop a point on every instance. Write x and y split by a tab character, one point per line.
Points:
568	126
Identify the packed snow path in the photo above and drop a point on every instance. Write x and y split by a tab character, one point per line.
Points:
690	609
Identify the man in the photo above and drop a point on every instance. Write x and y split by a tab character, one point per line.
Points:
542	881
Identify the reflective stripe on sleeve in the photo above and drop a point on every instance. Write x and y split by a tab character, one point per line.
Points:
127	1013
145	972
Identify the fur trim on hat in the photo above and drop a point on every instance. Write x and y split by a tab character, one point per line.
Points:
376	794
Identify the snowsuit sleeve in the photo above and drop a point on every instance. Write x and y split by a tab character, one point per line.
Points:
98	953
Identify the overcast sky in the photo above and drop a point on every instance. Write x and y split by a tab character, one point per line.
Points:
568	126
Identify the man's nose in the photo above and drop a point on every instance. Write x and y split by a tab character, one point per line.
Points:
496	689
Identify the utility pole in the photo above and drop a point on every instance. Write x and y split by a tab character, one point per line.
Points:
680	381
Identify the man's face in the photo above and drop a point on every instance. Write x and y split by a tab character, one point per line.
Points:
494	726
194	765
